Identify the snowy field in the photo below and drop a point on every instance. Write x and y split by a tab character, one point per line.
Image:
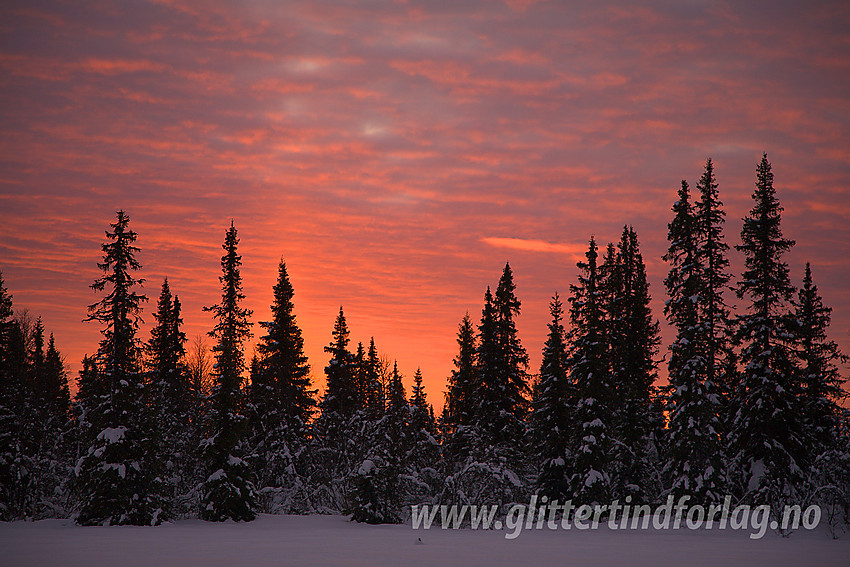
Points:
333	540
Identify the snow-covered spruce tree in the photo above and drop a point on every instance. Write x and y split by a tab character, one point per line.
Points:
486	453
333	441
15	399
373	386
633	339
57	445
694	466
385	443
768	429
117	482
281	406
46	436
819	358
716	327
822	391
590	446
421	476
459	406
227	492
508	382
551	420
170	401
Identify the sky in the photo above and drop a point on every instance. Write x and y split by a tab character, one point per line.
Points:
397	154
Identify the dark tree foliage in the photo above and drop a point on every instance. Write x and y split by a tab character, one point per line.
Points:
282	405
116	476
341	396
459	407
551	420
120	311
711	256
501	362
488	362
15	455
377	487
633	339
335	449
227	492
170	398
819	379
767	435
512	377
694	465
373	387
590	446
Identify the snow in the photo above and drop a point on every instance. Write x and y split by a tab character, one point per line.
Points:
333	540
366	468
112	434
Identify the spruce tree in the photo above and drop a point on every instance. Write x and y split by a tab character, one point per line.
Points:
767	435
341	394
335	449
511	378
551	420
170	397
694	465
52	434
373	390
460	400
714	312
819	379
15	400
460	396
117	481
227	492
282	405
590	446
417	394
385	445
488	363
633	337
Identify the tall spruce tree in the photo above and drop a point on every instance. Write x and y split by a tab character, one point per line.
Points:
512	377
15	399
551	420
714	312
56	442
767	435
633	337
459	405
488	363
282	405
502	364
590	446
335	449
170	398
341	395
118	482
694	465
820	379
459	408
227	492
373	387
384	444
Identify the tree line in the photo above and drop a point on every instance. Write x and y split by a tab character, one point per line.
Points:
752	407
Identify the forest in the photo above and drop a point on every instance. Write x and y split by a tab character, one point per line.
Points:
160	428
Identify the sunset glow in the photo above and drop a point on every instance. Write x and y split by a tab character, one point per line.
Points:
397	154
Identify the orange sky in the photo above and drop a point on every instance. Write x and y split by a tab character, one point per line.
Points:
396	154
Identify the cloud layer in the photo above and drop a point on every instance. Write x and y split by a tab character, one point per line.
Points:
396	154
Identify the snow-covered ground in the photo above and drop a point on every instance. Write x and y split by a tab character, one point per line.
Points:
333	540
